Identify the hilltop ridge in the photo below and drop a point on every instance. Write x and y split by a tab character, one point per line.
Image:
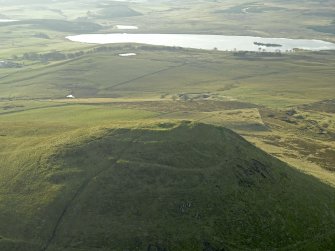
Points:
180	186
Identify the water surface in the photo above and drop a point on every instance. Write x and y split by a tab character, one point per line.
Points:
207	42
126	27
127	54
7	20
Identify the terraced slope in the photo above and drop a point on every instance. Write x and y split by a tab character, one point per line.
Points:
173	186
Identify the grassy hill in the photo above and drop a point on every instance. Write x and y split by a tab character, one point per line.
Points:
118	168
154	186
254	94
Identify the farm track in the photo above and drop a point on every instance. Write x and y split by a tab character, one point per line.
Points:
34	108
145	75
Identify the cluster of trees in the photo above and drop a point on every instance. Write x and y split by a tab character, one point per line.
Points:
138	47
58	56
246	54
49	56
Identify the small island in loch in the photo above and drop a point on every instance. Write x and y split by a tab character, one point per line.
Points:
267	45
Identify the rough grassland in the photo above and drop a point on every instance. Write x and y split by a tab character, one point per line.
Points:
89	187
118	168
271	80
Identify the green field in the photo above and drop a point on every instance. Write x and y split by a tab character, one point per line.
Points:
172	149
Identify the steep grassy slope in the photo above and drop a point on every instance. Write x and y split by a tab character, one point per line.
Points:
27	140
166	186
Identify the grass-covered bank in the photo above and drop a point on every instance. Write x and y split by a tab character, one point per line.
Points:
90	189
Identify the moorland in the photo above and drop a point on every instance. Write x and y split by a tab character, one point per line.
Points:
172	148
